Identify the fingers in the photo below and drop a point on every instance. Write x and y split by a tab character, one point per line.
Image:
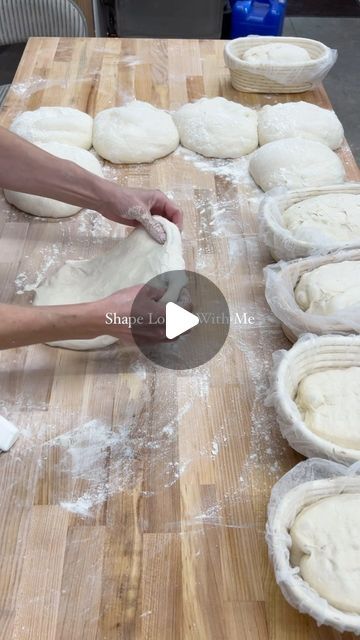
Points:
162	206
153	227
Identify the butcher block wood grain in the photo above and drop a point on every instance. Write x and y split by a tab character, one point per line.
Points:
133	505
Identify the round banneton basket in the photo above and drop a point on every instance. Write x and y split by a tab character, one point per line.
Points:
279	78
306	483
280	282
309	355
281	242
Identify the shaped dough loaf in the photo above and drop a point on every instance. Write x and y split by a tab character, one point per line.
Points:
279	53
134	260
325	545
329	288
300	120
55	124
217	128
46	207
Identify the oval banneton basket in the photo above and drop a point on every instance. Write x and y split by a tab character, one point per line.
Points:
280	282
309	355
279	78
279	240
306	483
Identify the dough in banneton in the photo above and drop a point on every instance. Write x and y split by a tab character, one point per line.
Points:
137	132
329	404
134	260
325	546
46	207
277	53
330	288
55	124
217	128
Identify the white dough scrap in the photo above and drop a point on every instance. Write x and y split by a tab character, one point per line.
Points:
333	218
326	548
329	403
295	163
134	133
217	128
300	120
279	53
55	124
134	260
47	207
329	288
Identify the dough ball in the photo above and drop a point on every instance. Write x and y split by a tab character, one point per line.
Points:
295	163
55	124
137	132
46	207
325	546
217	128
278	53
332	219
300	120
329	288
329	403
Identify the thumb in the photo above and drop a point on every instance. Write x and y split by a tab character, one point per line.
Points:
152	226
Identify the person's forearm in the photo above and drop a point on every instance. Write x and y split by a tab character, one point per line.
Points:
27	168
21	326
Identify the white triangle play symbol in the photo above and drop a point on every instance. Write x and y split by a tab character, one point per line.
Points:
178	320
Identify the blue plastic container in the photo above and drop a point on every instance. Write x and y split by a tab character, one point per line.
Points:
257	17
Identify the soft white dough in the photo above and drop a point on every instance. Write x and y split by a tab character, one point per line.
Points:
279	53
134	260
329	288
55	124
217	128
46	207
325	546
300	120
329	403
136	132
295	163
332	218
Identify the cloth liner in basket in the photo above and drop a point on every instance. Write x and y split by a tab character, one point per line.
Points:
306	483
280	281
279	78
282	244
310	354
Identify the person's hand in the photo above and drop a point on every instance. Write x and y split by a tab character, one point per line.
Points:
137	206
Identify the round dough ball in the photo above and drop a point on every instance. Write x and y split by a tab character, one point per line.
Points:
217	128
295	163
55	124
137	132
332	218
47	207
300	120
278	53
330	288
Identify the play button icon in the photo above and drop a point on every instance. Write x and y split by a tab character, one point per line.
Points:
178	320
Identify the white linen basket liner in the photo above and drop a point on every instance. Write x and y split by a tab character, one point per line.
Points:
281	242
308	355
306	483
277	78
280	281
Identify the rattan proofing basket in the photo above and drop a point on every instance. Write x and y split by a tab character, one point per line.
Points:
284	78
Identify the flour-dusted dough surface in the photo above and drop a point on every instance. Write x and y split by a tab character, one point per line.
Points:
300	120
217	128
136	132
329	403
46	207
55	124
329	288
295	163
330	218
325	546
134	260
278	53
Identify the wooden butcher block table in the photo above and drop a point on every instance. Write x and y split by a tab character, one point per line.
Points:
133	505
